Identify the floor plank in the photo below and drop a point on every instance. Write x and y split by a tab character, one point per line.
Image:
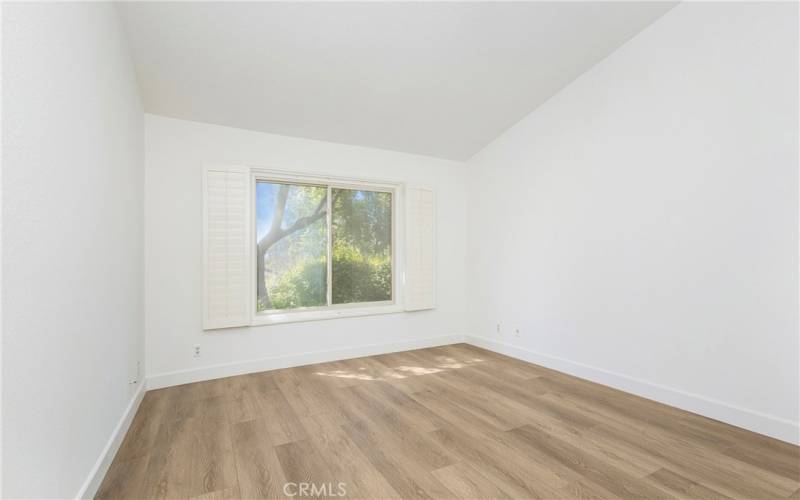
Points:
406	476
346	462
259	472
684	487
302	464
465	481
446	422
589	468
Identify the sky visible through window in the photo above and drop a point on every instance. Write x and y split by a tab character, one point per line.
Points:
265	206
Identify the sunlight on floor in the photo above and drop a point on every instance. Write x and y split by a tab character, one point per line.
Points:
444	363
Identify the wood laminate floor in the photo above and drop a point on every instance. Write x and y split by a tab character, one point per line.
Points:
446	422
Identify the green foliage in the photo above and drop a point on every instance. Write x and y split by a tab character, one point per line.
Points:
356	279
304	285
362	220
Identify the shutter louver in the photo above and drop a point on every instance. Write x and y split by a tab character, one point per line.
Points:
420	283
226	232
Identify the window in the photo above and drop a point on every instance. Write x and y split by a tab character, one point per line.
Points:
283	246
322	245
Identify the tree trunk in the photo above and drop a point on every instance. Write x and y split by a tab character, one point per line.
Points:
263	295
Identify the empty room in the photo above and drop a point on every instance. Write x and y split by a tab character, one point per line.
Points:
400	250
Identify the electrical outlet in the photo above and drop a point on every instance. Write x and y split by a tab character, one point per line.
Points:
197	351
516	332
498	329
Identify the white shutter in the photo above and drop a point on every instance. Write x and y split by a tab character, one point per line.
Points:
420	283
226	235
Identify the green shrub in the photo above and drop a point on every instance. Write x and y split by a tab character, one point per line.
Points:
356	279
360	279
302	286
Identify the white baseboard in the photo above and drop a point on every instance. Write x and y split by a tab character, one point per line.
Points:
264	364
769	425
92	483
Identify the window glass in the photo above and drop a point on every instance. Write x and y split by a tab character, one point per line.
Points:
361	244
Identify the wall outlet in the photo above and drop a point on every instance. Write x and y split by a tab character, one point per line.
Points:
197	351
498	329
516	332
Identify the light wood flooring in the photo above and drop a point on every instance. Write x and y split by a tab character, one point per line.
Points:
446	422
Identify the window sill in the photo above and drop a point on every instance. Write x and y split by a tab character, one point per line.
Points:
333	313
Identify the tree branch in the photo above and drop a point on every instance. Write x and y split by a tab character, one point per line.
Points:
304	222
277	233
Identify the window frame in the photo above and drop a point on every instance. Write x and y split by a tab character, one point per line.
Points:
330	311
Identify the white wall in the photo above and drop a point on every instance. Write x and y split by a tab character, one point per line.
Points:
72	242
641	227
176	151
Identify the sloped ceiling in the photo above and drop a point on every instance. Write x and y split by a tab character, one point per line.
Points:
439	79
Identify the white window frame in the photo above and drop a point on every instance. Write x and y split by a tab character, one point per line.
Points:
332	311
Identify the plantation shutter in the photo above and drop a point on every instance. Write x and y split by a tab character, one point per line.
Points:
226	235
420	289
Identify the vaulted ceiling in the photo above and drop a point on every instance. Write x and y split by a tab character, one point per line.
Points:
440	79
